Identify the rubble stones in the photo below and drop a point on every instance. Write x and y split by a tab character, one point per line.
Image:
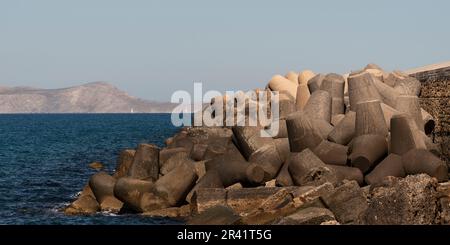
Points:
217	215
412	200
347	203
308	216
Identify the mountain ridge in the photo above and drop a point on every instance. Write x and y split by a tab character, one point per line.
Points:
93	97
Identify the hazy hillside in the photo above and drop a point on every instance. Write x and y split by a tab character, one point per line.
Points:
97	97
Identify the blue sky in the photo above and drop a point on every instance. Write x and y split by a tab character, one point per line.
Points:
152	48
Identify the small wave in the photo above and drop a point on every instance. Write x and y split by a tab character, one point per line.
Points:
59	207
108	213
76	195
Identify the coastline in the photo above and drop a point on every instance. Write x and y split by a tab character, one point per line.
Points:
307	175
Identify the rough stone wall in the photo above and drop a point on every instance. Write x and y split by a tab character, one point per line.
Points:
435	98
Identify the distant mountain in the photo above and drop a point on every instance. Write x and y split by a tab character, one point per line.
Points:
97	97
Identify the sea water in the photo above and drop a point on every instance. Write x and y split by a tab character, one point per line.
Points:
44	161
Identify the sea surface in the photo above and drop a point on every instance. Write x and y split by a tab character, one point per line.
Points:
44	161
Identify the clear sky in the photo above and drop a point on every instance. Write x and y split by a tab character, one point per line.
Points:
152	48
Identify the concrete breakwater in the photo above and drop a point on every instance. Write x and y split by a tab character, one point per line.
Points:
435	98
352	149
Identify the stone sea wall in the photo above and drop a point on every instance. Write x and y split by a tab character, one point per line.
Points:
435	98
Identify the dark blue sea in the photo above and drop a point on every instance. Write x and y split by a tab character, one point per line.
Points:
44	161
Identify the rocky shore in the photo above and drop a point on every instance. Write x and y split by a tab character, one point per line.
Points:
351	149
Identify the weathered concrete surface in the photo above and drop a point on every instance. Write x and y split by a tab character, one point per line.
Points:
308	216
347	203
217	215
411	200
435	98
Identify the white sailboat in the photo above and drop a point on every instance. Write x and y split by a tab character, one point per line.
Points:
131	111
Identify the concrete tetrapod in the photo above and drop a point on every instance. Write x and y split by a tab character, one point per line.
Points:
367	150
335	119
404	135
130	191
268	158
283	148
175	185
370	119
249	139
198	152
377	73
361	88
166	153
217	148
286	106
372	66
334	84
391	166
282	130
388	113
174	161
430	145
315	83
305	76
319	106
211	179
146	163
331	153
307	169
417	161
124	162
233	168
183	141
428	120
410	105
303	96
344	131
284	177
388	94
392	78
322	126
302	133
292	76
280	83
348	173
102	185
